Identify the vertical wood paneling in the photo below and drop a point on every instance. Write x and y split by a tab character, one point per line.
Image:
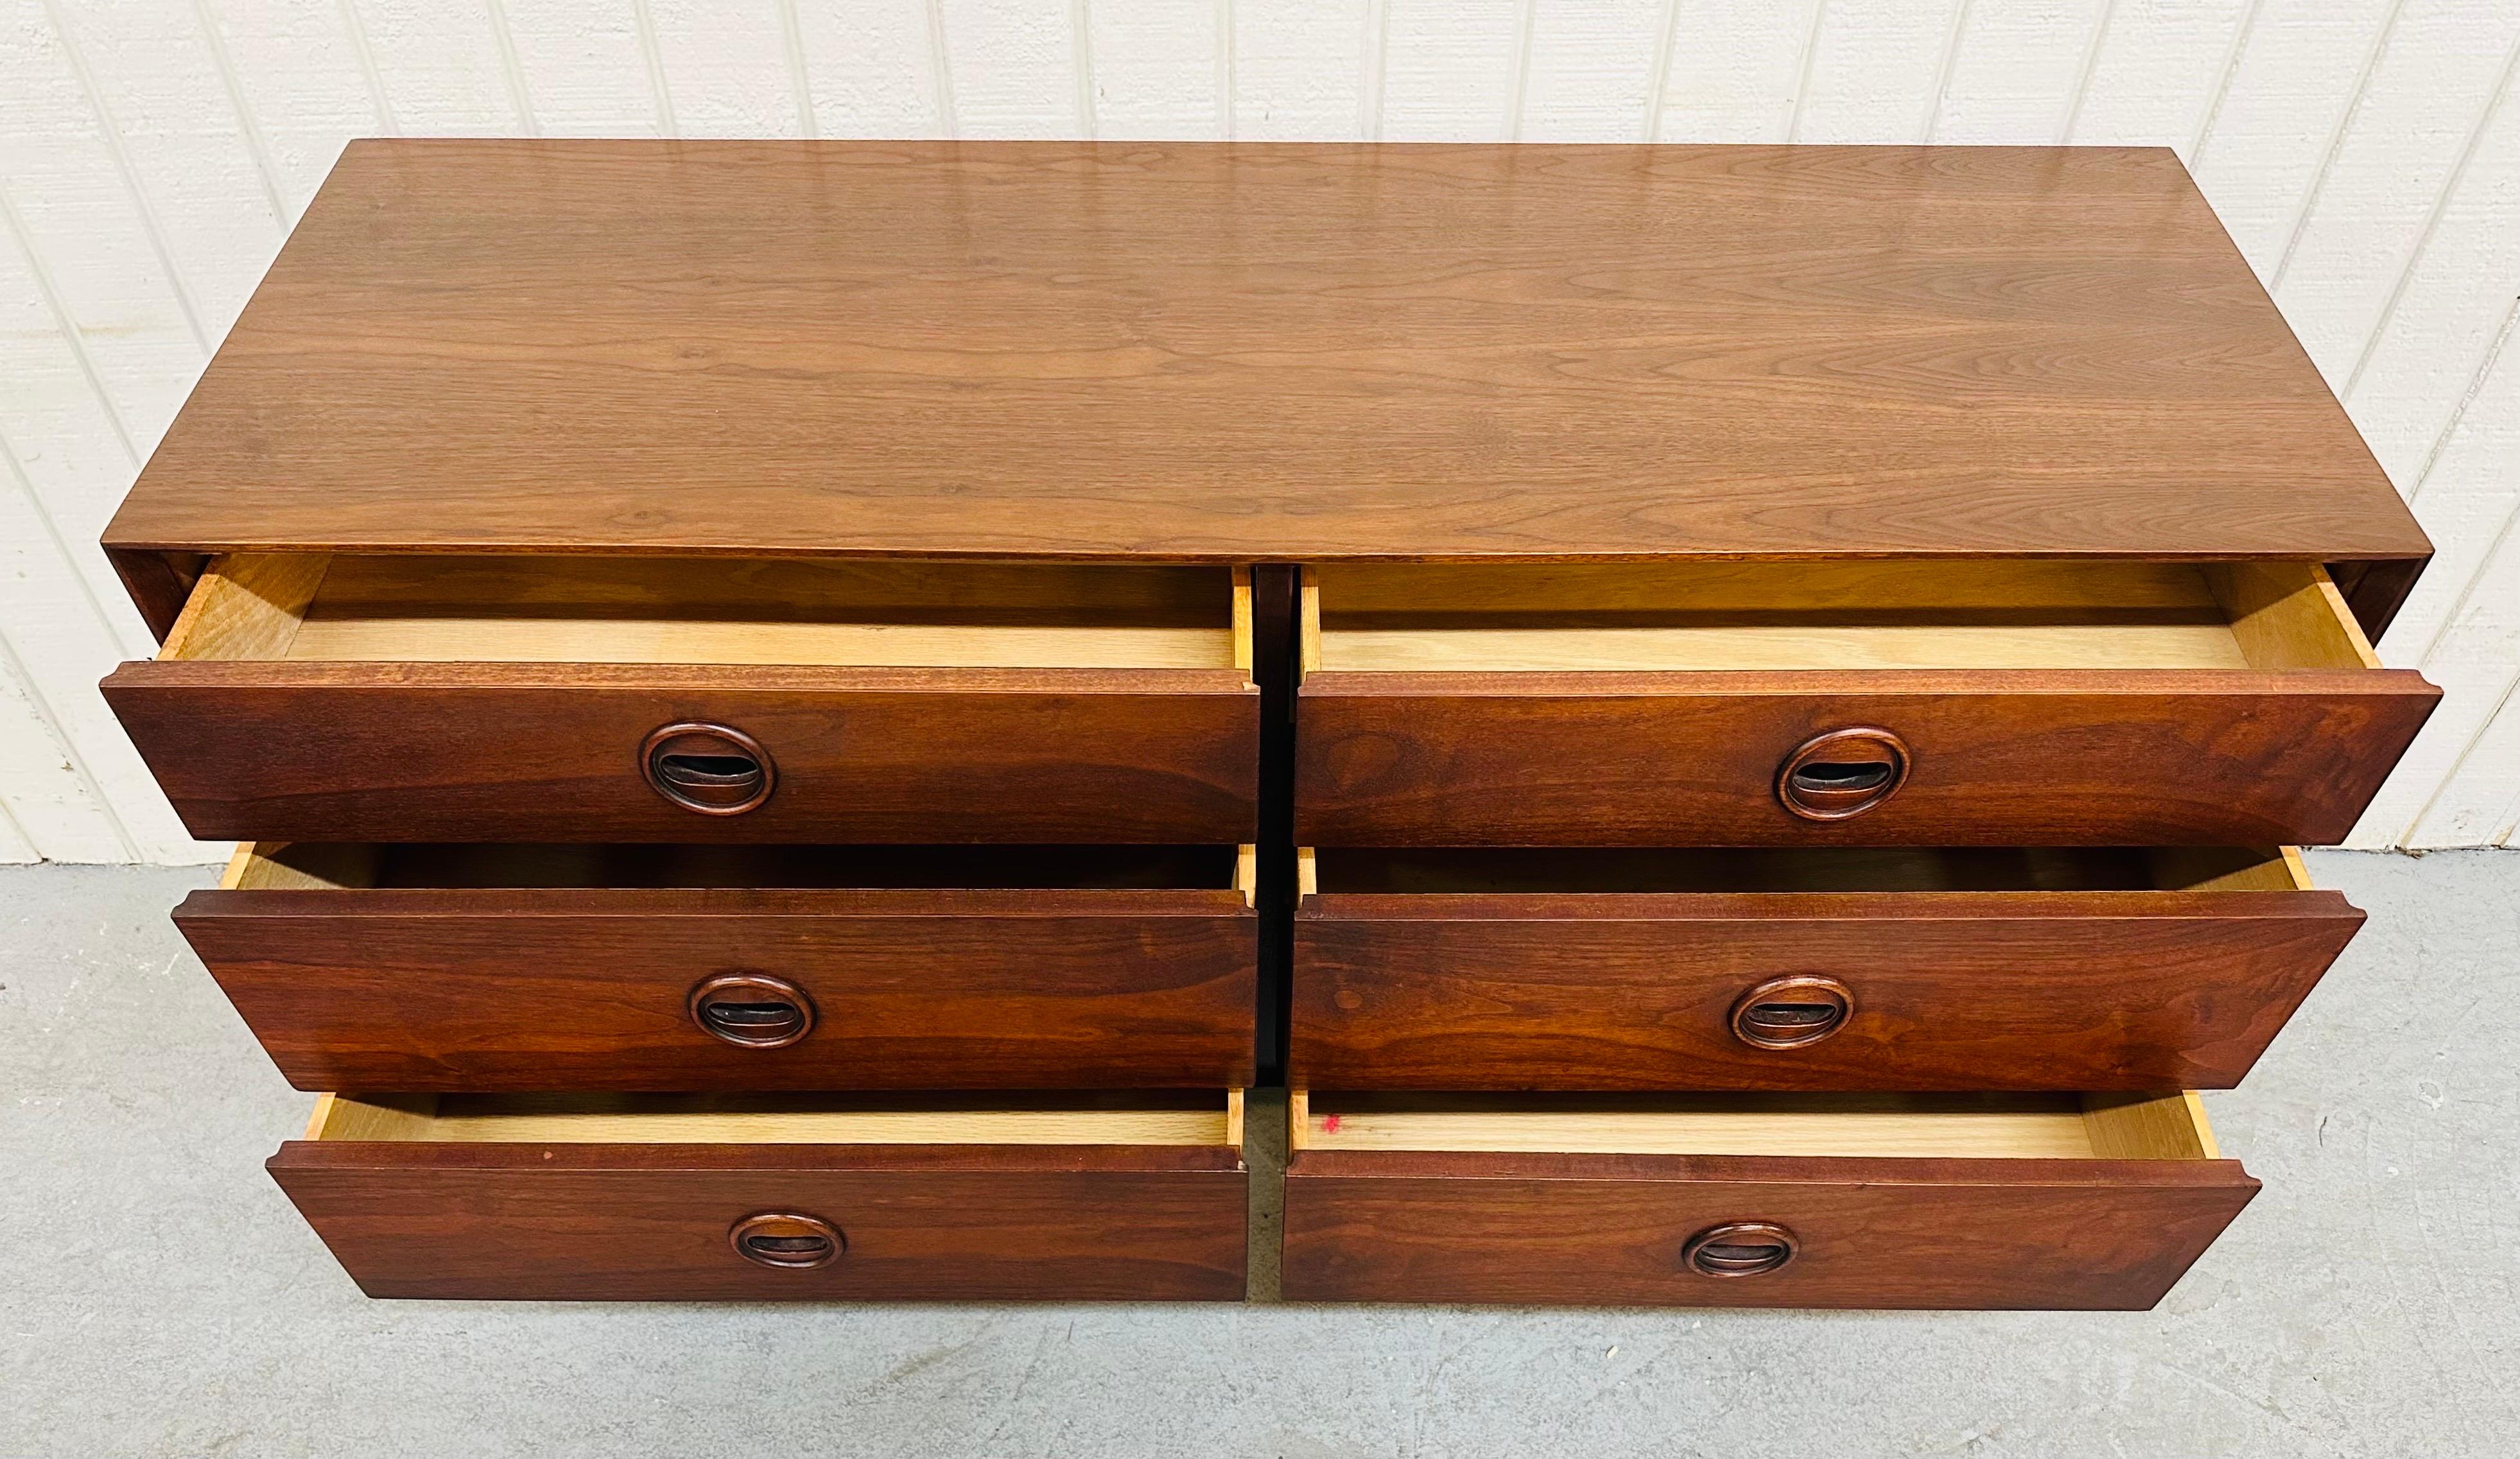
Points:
61	448
298	67
16	847
49	812
2481	654
580	69
1156	64
727	64
55	806
2156	71
438	63
2298	73
1874	67
2439	401
2463	626
157	89
1299	69
101	349
1735	77
94	800
2447	310
2365	154
1449	68
2017	69
1876	71
870	70
2444	62
1589	75
1014	68
2468	814
96	254
87	795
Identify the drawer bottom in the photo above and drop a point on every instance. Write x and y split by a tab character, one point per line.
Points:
1734	1200
760	1197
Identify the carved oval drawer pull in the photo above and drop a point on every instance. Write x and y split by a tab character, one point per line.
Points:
1740	1248
708	769
786	1240
1842	773
752	1010
1792	1012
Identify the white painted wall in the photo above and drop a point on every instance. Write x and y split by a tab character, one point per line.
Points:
2365	153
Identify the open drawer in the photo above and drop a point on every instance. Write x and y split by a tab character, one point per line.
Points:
455	698
1801	968
489	967
1819	1201
746	1199
1893	703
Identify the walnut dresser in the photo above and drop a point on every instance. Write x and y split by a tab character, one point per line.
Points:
805	719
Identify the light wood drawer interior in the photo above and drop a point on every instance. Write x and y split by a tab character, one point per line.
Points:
2026	1126
2070	868
666	610
1957	614
345	865
1149	1118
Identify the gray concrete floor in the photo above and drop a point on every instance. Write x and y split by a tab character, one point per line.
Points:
158	1297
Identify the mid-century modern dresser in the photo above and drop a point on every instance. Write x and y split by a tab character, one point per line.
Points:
807	717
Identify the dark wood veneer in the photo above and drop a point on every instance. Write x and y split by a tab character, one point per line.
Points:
1952	989
651	1222
588	989
1610	1229
1262	352
2000	758
1138	353
306	750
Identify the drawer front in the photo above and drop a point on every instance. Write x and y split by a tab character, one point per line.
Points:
504	752
659	1222
1693	759
1590	1229
1906	991
611	989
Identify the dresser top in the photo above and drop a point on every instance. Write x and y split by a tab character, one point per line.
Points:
1247	352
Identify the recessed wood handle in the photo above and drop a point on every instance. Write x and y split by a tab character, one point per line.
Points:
752	1010
1740	1248
786	1240
708	769
1842	773
1792	1012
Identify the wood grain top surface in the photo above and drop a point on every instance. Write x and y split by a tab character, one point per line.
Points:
1209	352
